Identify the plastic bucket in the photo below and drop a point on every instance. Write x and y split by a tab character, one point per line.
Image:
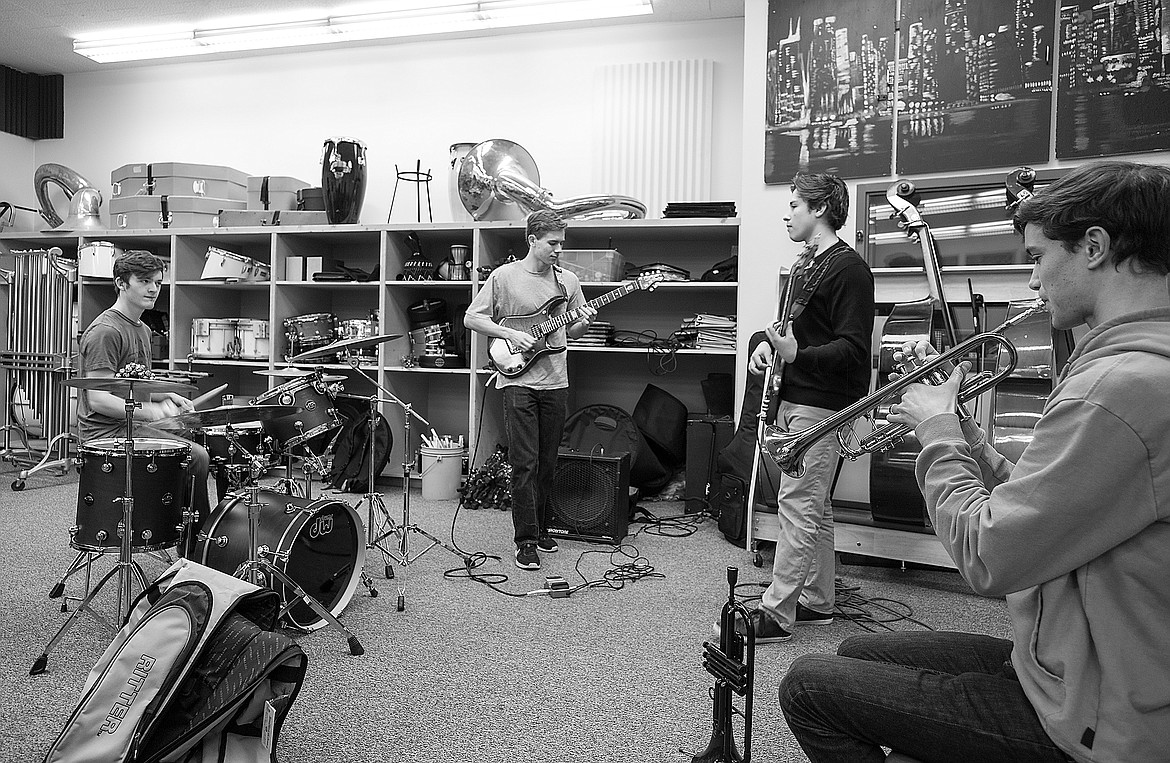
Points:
441	471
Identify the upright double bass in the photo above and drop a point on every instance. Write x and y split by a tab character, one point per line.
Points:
893	490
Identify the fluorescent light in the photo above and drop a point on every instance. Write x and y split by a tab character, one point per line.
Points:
403	19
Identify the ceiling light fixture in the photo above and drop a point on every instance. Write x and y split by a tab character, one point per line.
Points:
404	19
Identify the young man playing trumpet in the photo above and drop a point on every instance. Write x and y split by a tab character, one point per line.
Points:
1076	534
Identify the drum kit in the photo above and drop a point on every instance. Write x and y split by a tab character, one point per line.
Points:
384	532
134	497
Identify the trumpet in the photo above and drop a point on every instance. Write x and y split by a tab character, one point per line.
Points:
787	449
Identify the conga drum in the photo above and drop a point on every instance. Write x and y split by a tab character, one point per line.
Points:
343	179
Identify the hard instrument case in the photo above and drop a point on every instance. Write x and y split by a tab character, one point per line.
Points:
269	192
146	212
179	179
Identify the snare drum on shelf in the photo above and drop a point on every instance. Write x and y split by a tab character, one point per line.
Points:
252	339
96	259
358	329
213	337
222	265
310	331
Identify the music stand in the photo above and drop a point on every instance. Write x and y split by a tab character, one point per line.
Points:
381	526
126	568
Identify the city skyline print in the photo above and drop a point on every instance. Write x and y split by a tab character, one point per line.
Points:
1114	78
828	78
974	86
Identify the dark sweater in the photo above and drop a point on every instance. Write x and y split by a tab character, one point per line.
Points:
834	334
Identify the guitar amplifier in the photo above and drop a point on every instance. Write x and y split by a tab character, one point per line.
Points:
590	498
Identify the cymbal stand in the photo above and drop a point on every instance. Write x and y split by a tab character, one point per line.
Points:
258	569
381	526
126	568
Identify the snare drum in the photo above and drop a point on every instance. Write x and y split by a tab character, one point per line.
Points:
318	544
224	265
310	427
308	332
252	341
249	436
96	259
213	337
358	329
159	483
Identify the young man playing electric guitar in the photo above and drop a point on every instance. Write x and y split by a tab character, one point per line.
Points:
824	365
536	400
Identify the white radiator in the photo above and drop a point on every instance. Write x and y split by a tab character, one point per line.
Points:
652	139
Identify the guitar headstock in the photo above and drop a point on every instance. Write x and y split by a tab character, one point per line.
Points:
1019	184
903	197
649	281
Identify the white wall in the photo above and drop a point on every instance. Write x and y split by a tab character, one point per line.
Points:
269	115
17	164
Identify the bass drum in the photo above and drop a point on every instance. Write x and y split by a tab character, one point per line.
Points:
318	544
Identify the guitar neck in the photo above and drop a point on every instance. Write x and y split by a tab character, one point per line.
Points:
569	316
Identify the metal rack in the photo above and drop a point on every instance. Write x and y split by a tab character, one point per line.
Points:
39	358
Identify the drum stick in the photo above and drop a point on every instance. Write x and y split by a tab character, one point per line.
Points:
208	395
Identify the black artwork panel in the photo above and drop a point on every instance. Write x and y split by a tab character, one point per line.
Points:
1114	78
827	108
975	84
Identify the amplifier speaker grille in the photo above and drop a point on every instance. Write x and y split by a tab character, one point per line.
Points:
590	498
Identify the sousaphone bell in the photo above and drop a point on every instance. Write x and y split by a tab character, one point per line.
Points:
85	201
498	180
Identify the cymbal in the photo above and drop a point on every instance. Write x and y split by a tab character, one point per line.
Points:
300	373
360	343
286	373
227	414
119	385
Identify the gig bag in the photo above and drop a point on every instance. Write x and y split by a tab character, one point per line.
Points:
195	674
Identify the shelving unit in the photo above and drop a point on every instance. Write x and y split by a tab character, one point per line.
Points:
455	401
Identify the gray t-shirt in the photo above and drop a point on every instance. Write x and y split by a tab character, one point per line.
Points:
510	290
109	344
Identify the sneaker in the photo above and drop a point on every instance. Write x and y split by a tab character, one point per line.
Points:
527	558
547	545
767	630
806	616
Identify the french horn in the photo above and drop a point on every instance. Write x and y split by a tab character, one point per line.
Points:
85	201
498	180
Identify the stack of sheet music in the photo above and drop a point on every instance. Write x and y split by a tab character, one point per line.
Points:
600	334
708	332
699	209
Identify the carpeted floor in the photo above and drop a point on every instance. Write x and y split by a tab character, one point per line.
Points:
465	673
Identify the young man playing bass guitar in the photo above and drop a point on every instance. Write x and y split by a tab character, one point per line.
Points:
824	366
535	401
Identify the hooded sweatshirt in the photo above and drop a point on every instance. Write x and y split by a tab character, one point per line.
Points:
1076	535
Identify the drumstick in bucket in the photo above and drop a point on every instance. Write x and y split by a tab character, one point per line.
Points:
207	396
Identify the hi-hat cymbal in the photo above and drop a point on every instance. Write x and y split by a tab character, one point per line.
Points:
286	373
227	414
359	343
119	385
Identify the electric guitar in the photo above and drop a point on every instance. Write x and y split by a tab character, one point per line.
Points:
510	361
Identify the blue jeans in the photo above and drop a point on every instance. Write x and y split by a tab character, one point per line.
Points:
934	696
535	422
803	568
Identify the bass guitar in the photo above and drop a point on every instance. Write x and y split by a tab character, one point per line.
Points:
510	361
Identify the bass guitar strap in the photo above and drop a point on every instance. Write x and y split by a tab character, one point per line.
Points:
809	277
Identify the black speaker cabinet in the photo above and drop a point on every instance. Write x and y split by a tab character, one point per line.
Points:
590	498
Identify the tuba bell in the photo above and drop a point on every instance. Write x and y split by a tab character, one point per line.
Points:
498	180
85	201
